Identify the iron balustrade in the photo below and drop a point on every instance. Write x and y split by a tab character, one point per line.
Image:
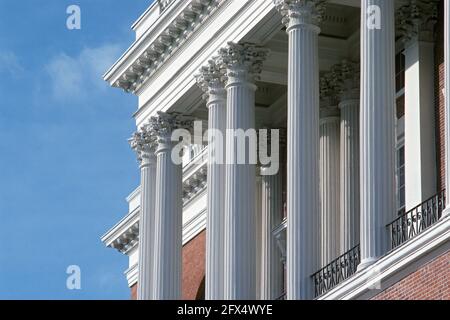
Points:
417	220
282	297
337	271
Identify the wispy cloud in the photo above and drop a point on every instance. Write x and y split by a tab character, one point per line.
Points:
75	77
9	64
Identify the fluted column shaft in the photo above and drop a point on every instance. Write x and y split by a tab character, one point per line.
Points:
240	224
329	188
377	152
215	94
168	220
216	200
447	105
259	232
142	143
349	231
271	260
302	146
146	227
240	227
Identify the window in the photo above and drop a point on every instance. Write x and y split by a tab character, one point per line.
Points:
400	84
400	173
400	132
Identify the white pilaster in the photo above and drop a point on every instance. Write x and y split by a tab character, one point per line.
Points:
416	25
271	259
168	212
447	105
242	63
144	145
209	80
377	152
329	151
301	19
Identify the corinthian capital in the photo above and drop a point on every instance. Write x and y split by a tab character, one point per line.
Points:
163	125
416	19
242	62
209	79
144	144
300	12
350	81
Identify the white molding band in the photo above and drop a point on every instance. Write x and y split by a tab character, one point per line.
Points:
363	284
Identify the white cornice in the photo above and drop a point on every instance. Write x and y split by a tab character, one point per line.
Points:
191	229
124	236
158	43
360	285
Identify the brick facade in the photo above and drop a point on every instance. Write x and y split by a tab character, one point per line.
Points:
134	292
193	269
430	282
440	99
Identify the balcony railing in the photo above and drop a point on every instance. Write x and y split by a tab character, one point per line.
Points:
336	272
417	220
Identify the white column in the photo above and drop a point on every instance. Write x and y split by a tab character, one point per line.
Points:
350	210
329	151
143	144
242	63
447	105
377	152
301	19
168	213
259	234
209	80
272	213
349	96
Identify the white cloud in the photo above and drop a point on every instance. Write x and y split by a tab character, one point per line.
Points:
9	63
76	77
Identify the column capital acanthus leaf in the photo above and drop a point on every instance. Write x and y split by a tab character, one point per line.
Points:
163	125
144	144
416	20
298	13
210	80
241	62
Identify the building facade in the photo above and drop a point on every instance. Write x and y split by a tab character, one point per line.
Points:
358	209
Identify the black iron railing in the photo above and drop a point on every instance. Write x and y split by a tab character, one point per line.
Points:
282	297
337	271
417	220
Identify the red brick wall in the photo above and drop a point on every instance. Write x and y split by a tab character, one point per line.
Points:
193	269
430	282
440	101
193	266
134	292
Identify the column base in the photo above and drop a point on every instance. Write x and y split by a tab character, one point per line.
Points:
366	263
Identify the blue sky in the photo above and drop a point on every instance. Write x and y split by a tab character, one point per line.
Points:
65	164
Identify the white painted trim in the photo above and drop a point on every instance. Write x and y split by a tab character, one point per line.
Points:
359	286
132	274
